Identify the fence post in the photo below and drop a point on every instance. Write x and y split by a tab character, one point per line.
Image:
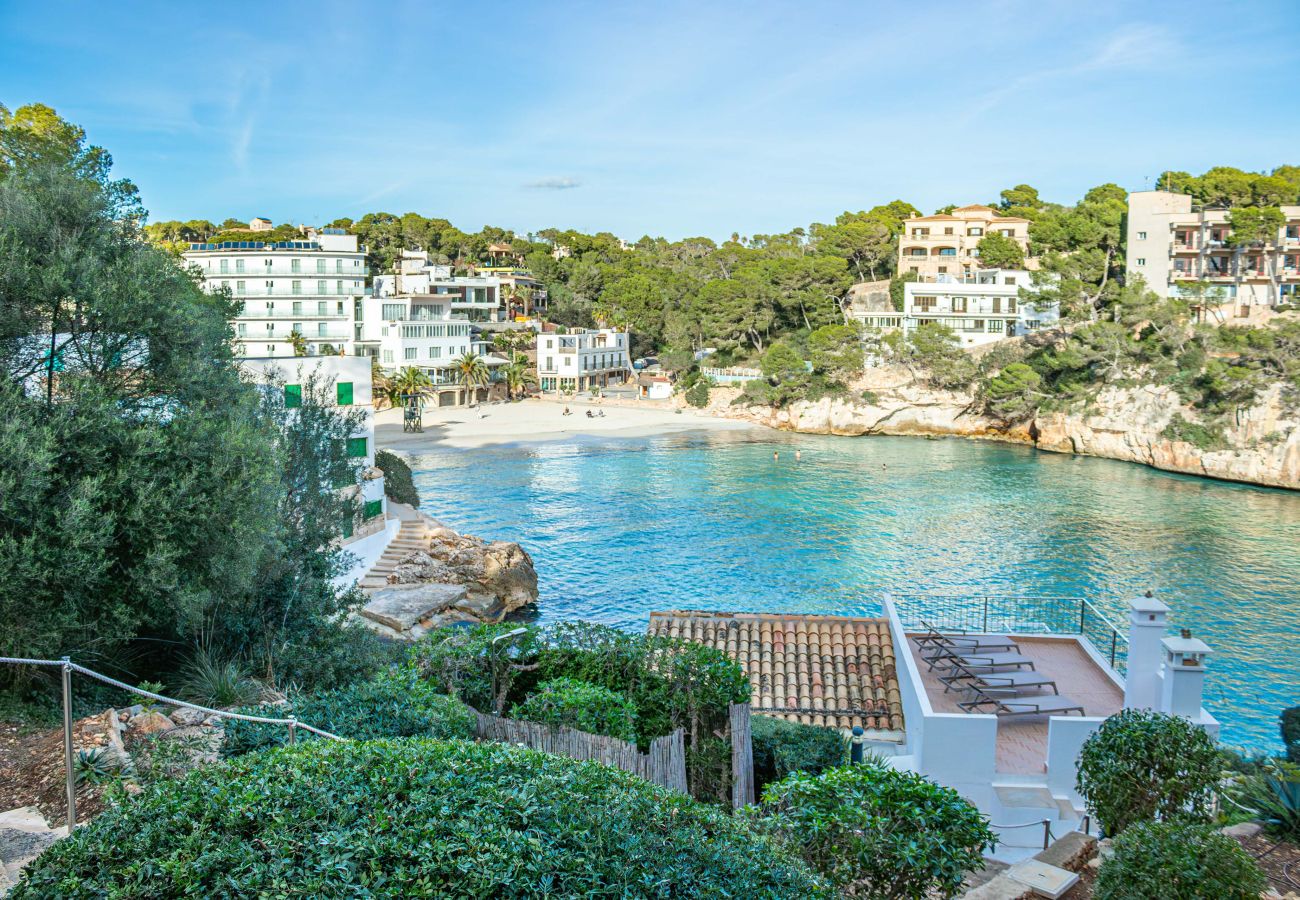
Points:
293	730
742	757
1114	636
985	629
1083	611
68	772
1047	833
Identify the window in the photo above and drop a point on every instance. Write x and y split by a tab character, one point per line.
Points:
297	287
995	325
1011	304
320	287
322	329
225	266
1141	261
924	304
297	307
920	232
357	447
225	285
340	309
1010	279
338	287
343	393
239	287
1142	235
372	508
975	232
947	231
997	304
295	265
947	251
292	396
320	267
270	287
338	265
269	328
297	326
410	352
435	352
958	304
388	357
243	328
943	269
270	349
550	363
239	265
916	251
270	307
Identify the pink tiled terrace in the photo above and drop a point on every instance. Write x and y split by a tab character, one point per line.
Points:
1022	740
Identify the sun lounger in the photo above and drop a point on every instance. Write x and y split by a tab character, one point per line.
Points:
1005	683
1046	705
977	661
982	642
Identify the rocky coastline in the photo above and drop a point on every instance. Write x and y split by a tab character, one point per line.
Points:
1122	423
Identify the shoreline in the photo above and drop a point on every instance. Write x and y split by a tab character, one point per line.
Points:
536	421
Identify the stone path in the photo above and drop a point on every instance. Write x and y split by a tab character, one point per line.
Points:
24	835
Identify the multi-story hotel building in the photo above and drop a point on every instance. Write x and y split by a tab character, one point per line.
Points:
582	360
1169	243
309	287
948	243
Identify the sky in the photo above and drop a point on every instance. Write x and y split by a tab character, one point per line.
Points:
670	118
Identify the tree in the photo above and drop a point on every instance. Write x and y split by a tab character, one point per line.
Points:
1254	226
782	362
518	377
471	373
1014	393
878	832
997	251
35	135
933	349
409	382
1142	766
298	343
836	351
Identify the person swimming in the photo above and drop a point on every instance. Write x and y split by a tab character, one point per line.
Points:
776	456
798	455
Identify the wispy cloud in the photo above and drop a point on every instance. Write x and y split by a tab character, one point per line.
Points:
554	183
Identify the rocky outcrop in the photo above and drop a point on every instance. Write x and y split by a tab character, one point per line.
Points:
1263	445
437	576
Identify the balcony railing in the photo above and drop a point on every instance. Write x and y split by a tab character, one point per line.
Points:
1067	616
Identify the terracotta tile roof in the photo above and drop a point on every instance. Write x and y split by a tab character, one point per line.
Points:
834	671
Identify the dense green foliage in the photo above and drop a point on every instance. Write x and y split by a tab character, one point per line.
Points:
387	706
669	684
1290	727
399	486
414	818
578	704
1141	766
1178	861
153	499
782	747
877	832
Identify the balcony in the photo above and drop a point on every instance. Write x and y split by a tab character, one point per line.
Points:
245	315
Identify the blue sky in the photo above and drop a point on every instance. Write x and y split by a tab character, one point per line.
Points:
668	118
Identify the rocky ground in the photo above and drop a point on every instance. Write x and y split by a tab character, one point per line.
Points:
432	575
1124	423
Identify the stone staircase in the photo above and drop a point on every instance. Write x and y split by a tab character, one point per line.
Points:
413	535
24	835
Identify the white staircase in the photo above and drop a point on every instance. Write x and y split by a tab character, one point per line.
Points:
1022	804
413	535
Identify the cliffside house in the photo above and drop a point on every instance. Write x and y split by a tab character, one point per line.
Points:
581	360
948	243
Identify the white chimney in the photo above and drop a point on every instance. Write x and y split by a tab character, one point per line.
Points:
1148	618
1184	675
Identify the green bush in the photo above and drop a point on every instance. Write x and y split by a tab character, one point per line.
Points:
878	832
1204	437
398	484
782	747
1177	861
389	706
577	704
1290	724
1142	765
414	818
697	395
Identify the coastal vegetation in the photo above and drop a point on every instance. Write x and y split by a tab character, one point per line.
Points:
1178	860
399	485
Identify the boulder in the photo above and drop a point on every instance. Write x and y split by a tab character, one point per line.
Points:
401	607
149	723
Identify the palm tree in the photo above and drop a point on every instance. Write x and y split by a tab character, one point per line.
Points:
409	381
379	382
471	372
298	343
517	376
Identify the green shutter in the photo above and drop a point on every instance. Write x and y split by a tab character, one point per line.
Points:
345	393
373	508
357	447
292	396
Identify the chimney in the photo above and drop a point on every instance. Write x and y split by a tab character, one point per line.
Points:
1184	681
1148	618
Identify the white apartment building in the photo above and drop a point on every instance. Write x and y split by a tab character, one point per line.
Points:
420	317
582	360
1168	243
980	309
344	381
948	243
309	287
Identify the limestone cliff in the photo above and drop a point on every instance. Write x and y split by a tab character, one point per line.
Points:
1118	423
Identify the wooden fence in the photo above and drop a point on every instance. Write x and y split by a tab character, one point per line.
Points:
664	764
742	757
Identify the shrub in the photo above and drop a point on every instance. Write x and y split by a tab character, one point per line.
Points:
577	704
1142	765
389	706
1204	437
1177	861
878	832
1290	723
414	818
782	747
697	395
212	682
1274	794
399	486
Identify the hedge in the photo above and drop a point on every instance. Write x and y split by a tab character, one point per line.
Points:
782	747
389	706
414	818
1177	861
399	486
577	704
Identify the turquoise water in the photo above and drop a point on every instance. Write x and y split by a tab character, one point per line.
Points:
620	527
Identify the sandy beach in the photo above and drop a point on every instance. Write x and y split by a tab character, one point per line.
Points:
531	421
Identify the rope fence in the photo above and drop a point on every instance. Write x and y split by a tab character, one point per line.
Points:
67	667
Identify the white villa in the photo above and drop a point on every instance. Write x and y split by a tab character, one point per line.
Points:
582	360
345	380
310	287
982	307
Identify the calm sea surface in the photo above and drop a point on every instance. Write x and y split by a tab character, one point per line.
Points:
620	527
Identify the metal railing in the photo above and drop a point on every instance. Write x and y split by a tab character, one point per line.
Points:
67	667
1020	615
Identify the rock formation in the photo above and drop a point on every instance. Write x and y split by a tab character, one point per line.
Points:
435	576
1124	423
